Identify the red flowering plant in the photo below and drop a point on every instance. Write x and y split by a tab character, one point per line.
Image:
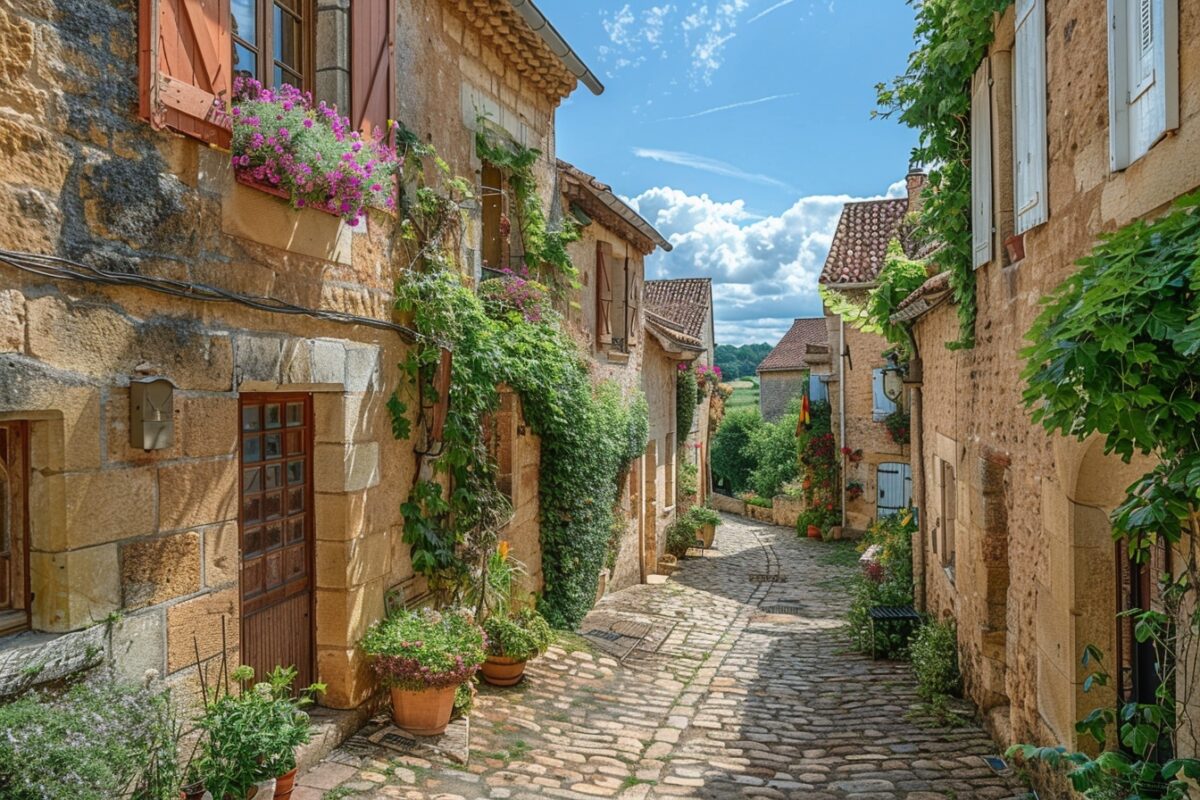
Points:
897	424
425	649
854	490
516	293
310	153
707	377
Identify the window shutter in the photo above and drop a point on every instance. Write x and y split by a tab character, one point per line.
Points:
603	300
635	298
981	166
185	66
883	405
1029	113
372	64
1143	52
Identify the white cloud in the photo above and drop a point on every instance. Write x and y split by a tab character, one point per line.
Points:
764	269
697	32
706	164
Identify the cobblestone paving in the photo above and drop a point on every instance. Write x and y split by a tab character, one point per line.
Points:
726	697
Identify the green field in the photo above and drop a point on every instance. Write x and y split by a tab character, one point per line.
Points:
745	394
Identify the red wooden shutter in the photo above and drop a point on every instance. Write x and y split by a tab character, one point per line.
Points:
185	62
603	300
372	64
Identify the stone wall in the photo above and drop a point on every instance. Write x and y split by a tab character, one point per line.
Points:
658	382
1033	572
154	535
777	389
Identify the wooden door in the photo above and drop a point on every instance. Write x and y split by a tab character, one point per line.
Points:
894	488
14	528
276	525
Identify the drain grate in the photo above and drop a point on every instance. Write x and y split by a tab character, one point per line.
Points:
792	609
762	577
620	634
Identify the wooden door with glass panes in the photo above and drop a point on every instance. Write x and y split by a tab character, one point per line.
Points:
14	528
276	527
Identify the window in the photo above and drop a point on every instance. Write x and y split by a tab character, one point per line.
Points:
613	307
818	391
273	41
882	405
1029	115
492	194
1143	76
981	166
949	489
14	529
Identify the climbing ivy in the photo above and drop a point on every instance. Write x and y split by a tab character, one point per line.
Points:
687	397
933	96
545	245
899	277
589	435
1116	353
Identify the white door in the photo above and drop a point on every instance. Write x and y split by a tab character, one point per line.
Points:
894	481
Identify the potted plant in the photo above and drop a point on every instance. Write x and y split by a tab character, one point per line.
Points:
422	657
681	534
287	728
513	639
808	523
706	521
854	490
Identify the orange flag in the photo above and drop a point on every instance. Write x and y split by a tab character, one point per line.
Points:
805	421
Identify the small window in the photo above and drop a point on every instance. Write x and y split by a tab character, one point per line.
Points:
14	529
613	287
273	41
1143	67
882	405
949	489
818	391
492	194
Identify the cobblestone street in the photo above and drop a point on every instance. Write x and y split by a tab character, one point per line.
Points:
740	685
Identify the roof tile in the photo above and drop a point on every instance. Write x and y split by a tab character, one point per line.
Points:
790	353
857	252
684	301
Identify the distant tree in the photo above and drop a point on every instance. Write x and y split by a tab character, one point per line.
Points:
732	453
740	361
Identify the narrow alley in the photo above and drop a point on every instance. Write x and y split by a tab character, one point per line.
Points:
737	682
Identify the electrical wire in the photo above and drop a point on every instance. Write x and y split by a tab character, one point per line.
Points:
65	269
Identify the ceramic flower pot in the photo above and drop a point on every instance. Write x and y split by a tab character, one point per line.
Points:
707	534
502	671
814	532
424	712
284	785
194	791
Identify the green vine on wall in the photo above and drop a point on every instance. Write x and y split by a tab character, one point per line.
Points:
545	245
1116	352
589	435
933	96
687	397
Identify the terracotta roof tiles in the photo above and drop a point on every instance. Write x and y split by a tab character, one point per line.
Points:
684	301
790	353
863	232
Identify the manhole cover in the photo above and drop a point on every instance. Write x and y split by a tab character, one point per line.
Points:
620	635
793	609
762	577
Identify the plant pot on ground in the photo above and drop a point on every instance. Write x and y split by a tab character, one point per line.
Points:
706	521
422	657
513	639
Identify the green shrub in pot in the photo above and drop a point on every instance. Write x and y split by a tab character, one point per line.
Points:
520	636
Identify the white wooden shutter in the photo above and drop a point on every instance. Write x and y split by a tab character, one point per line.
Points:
1029	114
981	166
1143	65
882	404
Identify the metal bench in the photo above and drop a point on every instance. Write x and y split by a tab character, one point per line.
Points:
890	614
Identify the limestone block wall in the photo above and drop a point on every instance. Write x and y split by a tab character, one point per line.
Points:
1033	577
863	431
154	536
658	382
776	390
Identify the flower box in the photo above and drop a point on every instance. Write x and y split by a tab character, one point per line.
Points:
275	191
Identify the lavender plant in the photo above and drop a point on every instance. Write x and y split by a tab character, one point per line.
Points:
311	153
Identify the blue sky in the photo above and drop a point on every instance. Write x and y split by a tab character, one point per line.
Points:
739	128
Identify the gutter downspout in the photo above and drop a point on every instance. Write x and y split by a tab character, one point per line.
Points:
842	408
916	378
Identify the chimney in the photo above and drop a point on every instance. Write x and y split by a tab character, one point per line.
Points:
915	180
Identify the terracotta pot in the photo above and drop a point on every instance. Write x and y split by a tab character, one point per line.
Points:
1015	245
707	534
814	532
424	712
284	785
193	792
502	671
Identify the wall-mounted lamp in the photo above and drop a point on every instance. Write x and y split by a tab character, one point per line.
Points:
893	378
151	413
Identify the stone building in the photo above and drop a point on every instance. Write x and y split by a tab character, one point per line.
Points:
1015	539
786	374
876	464
265	520
607	318
679	327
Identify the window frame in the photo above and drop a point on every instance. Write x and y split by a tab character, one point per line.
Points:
1031	201
877	413
263	48
1122	97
